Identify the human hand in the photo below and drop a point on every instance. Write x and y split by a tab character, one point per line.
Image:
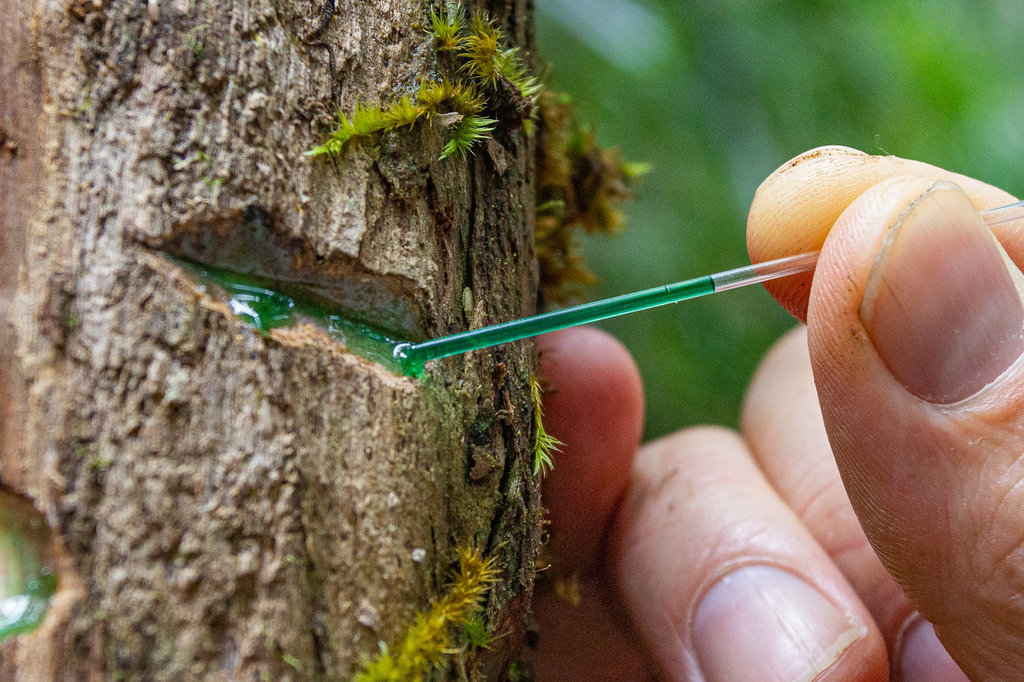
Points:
741	556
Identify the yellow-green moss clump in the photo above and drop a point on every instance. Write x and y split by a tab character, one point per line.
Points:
456	102
579	185
430	638
544	444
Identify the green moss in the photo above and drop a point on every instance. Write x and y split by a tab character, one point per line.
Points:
486	61
476	633
447	28
428	639
195	40
544	444
466	133
452	102
100	462
580	186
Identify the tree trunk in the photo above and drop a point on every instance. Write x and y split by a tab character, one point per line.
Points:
226	503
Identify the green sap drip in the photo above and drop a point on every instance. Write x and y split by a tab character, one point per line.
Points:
27	574
408	361
256	302
262	308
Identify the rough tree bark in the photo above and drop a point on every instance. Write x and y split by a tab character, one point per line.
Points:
226	504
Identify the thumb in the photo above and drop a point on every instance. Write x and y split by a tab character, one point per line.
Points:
915	329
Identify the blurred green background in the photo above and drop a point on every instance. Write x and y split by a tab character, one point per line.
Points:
716	94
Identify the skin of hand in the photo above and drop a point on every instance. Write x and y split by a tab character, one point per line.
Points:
872	504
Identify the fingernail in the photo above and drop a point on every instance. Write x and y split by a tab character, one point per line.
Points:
941	306
921	657
764	619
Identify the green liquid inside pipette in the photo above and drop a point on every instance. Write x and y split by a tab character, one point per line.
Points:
413	356
255	301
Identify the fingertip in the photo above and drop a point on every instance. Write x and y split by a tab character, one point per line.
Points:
722	580
794	209
920	656
593	403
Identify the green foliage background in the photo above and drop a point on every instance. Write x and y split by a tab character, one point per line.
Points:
716	94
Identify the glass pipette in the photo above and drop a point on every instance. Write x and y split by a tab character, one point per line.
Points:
413	356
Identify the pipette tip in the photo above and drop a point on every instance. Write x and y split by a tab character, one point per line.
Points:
404	354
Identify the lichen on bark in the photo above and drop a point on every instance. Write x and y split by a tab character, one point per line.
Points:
228	504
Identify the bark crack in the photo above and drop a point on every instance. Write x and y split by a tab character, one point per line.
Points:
471	252
319	636
328	10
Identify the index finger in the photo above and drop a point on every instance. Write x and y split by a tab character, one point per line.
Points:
594	404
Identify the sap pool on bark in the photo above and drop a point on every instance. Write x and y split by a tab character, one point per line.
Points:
257	302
